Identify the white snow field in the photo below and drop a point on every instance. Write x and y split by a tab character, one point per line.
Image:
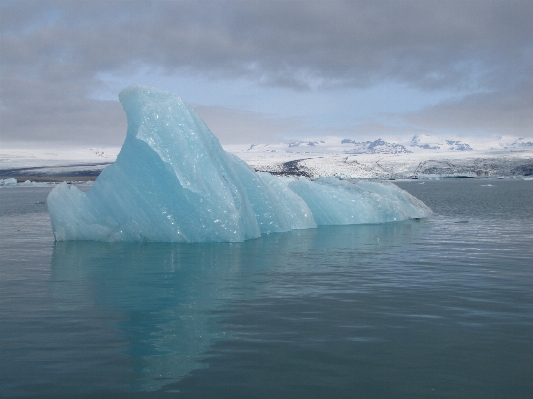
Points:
56	157
172	181
419	156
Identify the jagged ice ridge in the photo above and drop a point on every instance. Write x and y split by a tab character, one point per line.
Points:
173	182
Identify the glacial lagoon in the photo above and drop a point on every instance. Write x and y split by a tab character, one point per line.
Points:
438	307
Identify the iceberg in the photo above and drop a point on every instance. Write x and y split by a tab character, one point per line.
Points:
8	182
173	182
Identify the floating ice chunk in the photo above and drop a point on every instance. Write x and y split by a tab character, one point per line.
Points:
8	182
172	181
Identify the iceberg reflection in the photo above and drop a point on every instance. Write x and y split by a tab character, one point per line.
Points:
160	299
148	312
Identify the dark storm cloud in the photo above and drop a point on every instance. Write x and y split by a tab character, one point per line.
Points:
53	52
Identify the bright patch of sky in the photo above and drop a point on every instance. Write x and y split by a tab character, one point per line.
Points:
320	108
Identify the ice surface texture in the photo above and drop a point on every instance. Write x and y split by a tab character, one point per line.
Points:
172	181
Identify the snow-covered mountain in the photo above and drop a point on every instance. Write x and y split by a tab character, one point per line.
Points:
378	146
519	143
428	142
330	145
419	143
306	143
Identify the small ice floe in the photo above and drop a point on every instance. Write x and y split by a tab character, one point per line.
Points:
8	182
487	185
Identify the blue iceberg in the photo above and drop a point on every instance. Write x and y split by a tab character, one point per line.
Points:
173	182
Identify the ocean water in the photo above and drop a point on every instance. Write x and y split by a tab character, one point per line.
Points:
436	308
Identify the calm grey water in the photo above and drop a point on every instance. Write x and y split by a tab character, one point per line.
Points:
439	308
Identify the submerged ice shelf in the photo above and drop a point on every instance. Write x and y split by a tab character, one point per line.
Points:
173	182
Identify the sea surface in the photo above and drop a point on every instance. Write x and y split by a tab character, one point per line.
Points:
434	308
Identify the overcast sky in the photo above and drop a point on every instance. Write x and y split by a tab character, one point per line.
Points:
262	71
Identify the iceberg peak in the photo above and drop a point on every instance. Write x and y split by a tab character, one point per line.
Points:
173	182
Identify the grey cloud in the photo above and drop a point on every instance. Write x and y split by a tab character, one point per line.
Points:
425	43
51	53
236	127
53	113
501	113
